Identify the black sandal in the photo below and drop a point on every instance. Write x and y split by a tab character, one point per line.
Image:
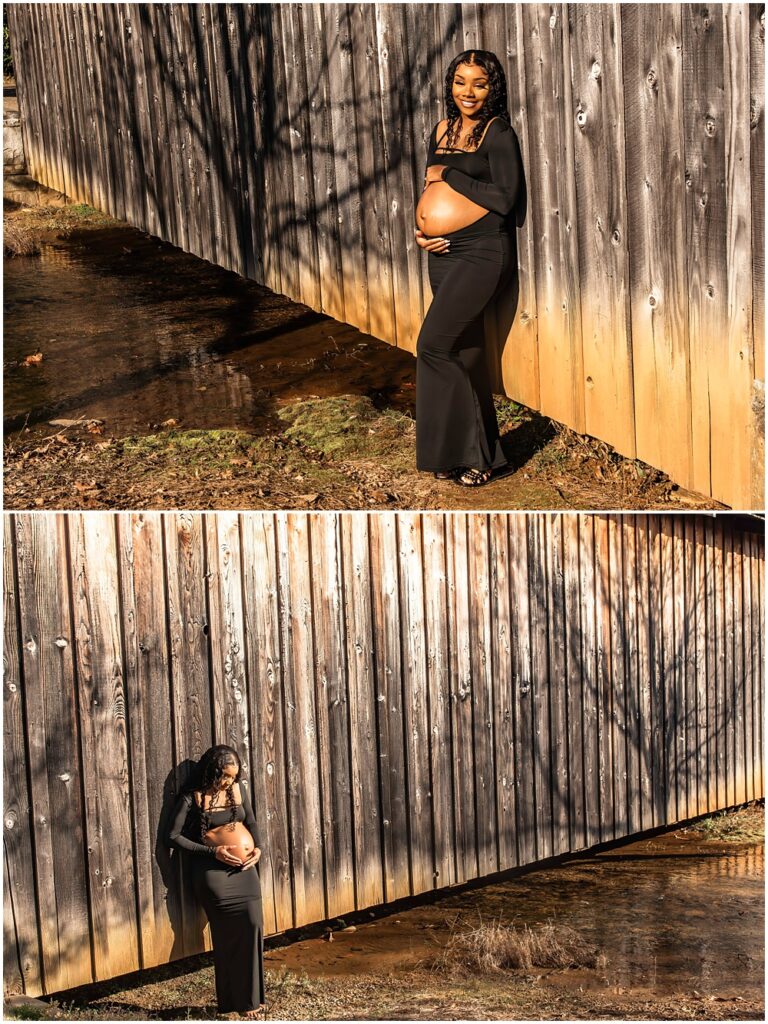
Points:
442	474
474	477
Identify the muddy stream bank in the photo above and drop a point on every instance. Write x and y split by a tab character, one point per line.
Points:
140	376
677	921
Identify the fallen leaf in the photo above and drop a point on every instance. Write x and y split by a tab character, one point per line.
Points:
36	357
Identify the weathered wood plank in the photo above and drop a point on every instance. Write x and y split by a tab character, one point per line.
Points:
23	960
439	699
632	682
51	722
558	689
541	683
149	712
366	807
589	665
388	658
321	142
653	101
333	705
605	755
265	662
371	183
188	626
645	670
461	700
100	667
503	655
757	190
304	797
542	36
619	677
574	683
415	696
700	631
226	634
600	219
525	796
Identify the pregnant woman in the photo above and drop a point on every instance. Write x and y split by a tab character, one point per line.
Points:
473	176
224	852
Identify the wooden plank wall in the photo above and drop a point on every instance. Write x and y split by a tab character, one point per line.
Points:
419	699
287	142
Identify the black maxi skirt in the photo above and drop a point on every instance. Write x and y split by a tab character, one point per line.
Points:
456	425
231	899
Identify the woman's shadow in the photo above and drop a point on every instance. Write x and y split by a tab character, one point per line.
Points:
521	442
186	916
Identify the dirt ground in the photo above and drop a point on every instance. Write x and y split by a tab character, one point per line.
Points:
677	919
147	407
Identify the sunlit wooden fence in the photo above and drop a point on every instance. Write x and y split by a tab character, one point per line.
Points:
419	700
287	142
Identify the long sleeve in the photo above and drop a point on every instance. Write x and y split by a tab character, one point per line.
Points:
175	837
506	164
250	817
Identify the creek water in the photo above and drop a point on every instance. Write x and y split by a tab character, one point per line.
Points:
672	914
135	332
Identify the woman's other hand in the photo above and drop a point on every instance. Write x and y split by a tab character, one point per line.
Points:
223	854
437	244
434	173
252	858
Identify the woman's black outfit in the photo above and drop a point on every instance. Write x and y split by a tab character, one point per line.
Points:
231	899
456	423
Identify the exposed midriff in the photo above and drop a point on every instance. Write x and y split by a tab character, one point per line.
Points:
238	837
441	210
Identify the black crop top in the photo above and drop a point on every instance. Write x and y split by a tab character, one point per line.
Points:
185	805
489	175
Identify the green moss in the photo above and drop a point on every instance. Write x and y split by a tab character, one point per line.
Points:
349	427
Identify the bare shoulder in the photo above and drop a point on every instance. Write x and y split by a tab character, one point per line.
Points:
238	791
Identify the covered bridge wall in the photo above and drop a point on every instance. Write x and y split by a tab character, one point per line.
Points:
419	700
287	142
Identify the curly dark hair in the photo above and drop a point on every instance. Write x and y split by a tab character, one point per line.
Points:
495	104
209	772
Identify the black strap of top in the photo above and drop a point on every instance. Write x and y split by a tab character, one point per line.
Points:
458	149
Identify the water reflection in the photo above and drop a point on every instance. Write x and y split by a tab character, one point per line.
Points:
672	914
136	332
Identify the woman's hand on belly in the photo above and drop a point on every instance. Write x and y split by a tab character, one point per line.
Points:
227	855
252	859
431	244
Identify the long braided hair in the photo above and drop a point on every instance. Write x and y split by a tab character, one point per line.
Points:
495	104
210	770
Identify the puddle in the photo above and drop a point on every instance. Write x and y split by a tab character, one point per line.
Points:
136	332
671	914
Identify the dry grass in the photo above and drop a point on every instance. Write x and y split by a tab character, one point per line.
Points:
746	827
19	239
495	947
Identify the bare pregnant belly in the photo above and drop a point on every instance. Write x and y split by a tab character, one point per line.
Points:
441	210
239	838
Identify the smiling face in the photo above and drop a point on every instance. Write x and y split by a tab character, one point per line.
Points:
470	89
